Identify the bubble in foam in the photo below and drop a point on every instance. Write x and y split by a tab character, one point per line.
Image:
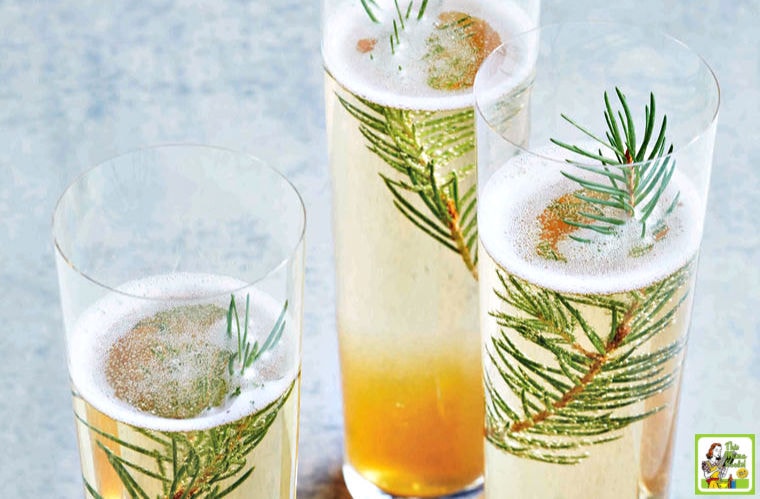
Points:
161	363
510	206
403	79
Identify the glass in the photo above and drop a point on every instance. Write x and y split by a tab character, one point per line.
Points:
401	144
588	267
181	275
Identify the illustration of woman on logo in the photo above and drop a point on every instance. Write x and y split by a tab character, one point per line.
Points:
715	468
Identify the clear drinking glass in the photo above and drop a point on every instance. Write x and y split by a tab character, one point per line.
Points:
401	143
588	259
181	275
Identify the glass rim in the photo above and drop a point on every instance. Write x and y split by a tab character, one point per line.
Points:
289	254
663	35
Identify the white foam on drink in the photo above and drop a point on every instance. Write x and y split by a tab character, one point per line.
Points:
379	79
513	198
112	317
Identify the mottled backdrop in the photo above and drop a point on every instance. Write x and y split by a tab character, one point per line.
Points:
81	81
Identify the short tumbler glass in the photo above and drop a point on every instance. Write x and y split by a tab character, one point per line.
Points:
180	272
591	209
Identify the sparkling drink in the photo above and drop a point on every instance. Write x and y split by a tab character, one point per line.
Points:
622	387
402	153
592	196
181	271
159	412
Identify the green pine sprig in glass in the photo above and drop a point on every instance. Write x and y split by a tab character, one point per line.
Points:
632	180
401	18
248	353
589	389
420	148
208	464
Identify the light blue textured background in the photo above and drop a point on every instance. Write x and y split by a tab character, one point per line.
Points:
81	81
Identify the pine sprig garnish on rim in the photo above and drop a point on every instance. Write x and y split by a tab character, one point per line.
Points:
400	20
421	147
637	175
247	353
589	390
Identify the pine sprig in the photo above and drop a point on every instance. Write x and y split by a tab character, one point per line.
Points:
400	19
426	189
196	464
248	353
559	408
633	178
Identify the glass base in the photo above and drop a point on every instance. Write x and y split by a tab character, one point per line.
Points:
644	493
361	488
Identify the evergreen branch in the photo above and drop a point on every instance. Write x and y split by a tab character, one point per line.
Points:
636	191
199	460
399	19
248	353
570	403
422	148
547	317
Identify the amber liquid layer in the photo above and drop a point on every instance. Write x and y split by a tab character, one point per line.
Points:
413	423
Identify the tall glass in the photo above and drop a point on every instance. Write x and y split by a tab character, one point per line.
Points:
590	225
181	274
401	143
